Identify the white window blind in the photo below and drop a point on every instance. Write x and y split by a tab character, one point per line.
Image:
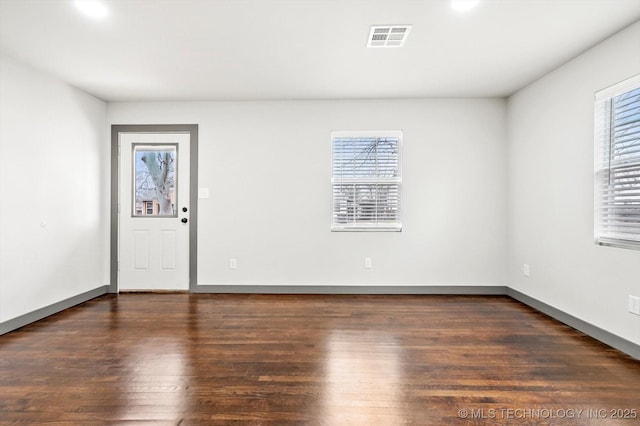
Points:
617	165
366	181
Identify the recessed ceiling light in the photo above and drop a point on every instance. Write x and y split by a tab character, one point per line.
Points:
463	5
388	35
92	8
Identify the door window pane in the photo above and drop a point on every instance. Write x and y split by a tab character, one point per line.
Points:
154	169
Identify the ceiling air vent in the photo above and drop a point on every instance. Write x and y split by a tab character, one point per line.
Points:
388	35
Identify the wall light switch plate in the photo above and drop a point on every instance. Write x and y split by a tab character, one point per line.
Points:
526	271
367	263
233	263
634	304
203	192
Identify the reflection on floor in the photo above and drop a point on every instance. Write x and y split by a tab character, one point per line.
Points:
317	359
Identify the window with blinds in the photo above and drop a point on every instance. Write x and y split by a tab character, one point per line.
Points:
366	181
617	165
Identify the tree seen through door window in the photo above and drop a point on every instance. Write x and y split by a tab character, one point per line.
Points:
155	180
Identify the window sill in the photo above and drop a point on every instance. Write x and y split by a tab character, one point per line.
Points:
625	244
366	229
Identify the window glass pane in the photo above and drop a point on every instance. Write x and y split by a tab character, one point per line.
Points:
154	168
617	175
366	181
365	157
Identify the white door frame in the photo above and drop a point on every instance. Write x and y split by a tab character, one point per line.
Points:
192	130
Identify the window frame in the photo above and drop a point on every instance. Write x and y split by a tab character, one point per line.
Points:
603	141
355	226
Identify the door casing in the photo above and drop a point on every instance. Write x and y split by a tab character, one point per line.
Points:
192	130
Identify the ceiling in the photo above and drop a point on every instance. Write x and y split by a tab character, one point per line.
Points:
147	50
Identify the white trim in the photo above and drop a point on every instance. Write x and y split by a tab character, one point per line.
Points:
366	134
618	88
625	244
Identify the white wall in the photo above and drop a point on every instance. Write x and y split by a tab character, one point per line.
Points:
268	165
550	159
53	173
475	208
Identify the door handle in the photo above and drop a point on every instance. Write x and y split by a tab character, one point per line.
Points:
184	220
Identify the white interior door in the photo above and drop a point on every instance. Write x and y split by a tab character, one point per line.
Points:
153	213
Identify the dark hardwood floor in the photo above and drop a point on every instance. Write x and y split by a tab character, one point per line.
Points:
312	359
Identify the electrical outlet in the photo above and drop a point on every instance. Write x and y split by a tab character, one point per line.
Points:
526	271
367	263
233	263
634	304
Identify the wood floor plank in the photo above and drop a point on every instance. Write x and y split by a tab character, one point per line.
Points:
193	359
